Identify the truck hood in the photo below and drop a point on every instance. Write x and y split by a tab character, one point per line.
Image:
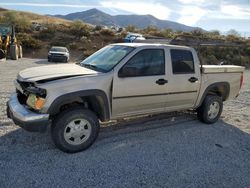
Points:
53	72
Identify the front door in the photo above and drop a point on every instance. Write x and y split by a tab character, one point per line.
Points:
140	85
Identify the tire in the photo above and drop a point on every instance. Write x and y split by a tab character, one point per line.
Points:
75	129
2	54
49	60
20	51
210	110
14	52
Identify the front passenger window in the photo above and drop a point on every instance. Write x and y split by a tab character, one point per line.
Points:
147	62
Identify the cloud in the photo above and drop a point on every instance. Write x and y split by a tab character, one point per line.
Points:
156	9
191	1
234	12
190	15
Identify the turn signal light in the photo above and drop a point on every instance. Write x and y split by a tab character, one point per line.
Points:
39	103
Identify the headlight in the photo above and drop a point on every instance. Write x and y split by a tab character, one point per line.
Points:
49	53
35	102
36	97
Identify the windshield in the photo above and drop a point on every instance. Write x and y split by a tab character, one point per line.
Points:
106	58
58	49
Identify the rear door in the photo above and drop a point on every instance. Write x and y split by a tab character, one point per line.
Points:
184	80
139	86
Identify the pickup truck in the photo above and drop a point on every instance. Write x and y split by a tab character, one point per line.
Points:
118	81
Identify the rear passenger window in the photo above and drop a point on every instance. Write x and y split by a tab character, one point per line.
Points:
182	61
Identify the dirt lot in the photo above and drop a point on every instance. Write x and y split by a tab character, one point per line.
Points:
169	150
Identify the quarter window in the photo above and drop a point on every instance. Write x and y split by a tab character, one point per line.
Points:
147	62
182	61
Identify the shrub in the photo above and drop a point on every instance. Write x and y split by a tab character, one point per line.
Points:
22	23
27	41
48	33
98	28
131	28
211	59
79	29
107	32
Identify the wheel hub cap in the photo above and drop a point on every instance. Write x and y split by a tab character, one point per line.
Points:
214	109
77	131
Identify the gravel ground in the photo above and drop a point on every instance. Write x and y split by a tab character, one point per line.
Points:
169	150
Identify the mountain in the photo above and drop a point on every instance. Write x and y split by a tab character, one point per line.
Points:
97	17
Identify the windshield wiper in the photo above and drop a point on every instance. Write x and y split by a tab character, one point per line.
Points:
90	66
93	67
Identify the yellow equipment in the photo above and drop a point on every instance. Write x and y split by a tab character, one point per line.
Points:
8	43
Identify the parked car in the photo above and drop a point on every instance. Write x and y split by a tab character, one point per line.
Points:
134	36
120	80
58	53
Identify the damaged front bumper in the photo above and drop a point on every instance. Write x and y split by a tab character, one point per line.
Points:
23	117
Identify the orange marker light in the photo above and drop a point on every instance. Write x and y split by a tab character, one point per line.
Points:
39	103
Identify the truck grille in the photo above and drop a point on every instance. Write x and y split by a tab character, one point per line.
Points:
57	55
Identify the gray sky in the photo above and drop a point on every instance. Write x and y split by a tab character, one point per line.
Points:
221	15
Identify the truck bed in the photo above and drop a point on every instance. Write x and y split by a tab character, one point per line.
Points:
221	68
230	74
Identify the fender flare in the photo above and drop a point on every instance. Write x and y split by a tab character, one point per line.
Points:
224	95
76	96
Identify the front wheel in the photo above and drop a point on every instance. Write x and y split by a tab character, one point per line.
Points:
75	129
210	110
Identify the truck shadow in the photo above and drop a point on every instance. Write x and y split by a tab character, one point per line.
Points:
42	62
114	131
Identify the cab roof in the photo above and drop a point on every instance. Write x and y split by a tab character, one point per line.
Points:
135	45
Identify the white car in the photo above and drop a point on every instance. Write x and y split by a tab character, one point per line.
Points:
133	36
58	53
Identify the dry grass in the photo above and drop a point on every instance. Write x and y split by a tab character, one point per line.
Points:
36	17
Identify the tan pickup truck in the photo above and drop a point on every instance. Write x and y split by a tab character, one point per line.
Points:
120	80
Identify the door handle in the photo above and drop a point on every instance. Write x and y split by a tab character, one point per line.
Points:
161	81
192	79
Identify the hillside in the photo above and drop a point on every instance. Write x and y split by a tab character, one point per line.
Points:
97	17
32	17
84	39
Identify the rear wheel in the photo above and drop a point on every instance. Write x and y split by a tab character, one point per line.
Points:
210	110
14	51
75	129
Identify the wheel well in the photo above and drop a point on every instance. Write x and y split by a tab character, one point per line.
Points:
219	90
94	103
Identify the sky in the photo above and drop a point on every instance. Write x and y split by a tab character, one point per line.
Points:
221	15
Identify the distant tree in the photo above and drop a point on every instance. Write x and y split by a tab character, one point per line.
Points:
22	23
98	27
10	18
197	32
168	33
214	32
151	29
131	28
233	32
